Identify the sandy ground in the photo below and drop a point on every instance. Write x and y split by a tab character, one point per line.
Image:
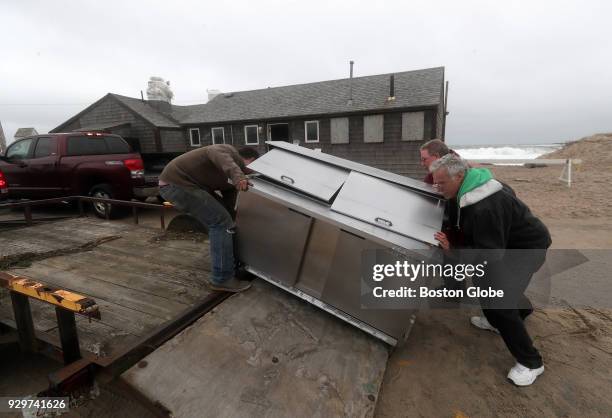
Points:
579	216
450	369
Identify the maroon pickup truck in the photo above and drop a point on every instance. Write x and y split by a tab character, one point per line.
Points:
68	164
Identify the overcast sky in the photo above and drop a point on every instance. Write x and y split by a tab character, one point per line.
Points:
519	71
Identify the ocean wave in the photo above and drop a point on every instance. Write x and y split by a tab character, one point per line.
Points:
505	151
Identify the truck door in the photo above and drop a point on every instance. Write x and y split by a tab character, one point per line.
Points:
15	168
43	171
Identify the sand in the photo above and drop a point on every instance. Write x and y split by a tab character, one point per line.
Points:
590	194
450	369
579	216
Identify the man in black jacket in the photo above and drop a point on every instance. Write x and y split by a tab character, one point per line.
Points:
493	224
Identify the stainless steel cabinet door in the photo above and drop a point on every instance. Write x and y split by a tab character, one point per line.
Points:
343	287
318	257
390	206
271	238
307	175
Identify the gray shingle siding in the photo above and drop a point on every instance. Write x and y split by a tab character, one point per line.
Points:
355	129
173	141
397	157
239	138
392	127
392	154
430	124
110	111
296	130
145	134
325	131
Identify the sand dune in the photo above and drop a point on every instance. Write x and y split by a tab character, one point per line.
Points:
589	197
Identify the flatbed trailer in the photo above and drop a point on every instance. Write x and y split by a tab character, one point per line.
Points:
183	349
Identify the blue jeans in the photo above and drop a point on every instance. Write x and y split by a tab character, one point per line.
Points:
206	209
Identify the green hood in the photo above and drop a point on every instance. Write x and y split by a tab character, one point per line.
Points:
474	177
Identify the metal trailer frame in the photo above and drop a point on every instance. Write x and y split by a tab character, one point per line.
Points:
81	367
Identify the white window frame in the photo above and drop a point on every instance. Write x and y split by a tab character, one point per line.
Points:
306	130
191	137
246	139
212	134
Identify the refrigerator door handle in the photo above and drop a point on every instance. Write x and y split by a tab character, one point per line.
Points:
287	179
384	221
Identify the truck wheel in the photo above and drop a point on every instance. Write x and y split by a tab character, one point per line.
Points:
103	191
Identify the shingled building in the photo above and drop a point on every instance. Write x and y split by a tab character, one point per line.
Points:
378	120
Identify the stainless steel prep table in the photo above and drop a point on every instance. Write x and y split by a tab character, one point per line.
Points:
308	217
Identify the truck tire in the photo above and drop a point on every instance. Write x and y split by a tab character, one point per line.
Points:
104	191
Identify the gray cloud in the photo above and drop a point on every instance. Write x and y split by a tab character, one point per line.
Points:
520	72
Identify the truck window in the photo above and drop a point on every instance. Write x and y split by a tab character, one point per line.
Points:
117	145
19	150
86	145
45	147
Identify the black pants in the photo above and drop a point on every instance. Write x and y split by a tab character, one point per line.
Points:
508	318
510	324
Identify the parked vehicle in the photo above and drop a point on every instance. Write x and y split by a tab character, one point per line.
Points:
68	164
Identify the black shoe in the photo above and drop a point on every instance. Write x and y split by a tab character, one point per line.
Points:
232	285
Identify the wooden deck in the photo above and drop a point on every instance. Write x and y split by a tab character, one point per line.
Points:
138	280
259	353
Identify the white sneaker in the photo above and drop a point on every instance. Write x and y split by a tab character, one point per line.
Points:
524	376
482	323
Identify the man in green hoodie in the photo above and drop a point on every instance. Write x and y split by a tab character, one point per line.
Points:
491	223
